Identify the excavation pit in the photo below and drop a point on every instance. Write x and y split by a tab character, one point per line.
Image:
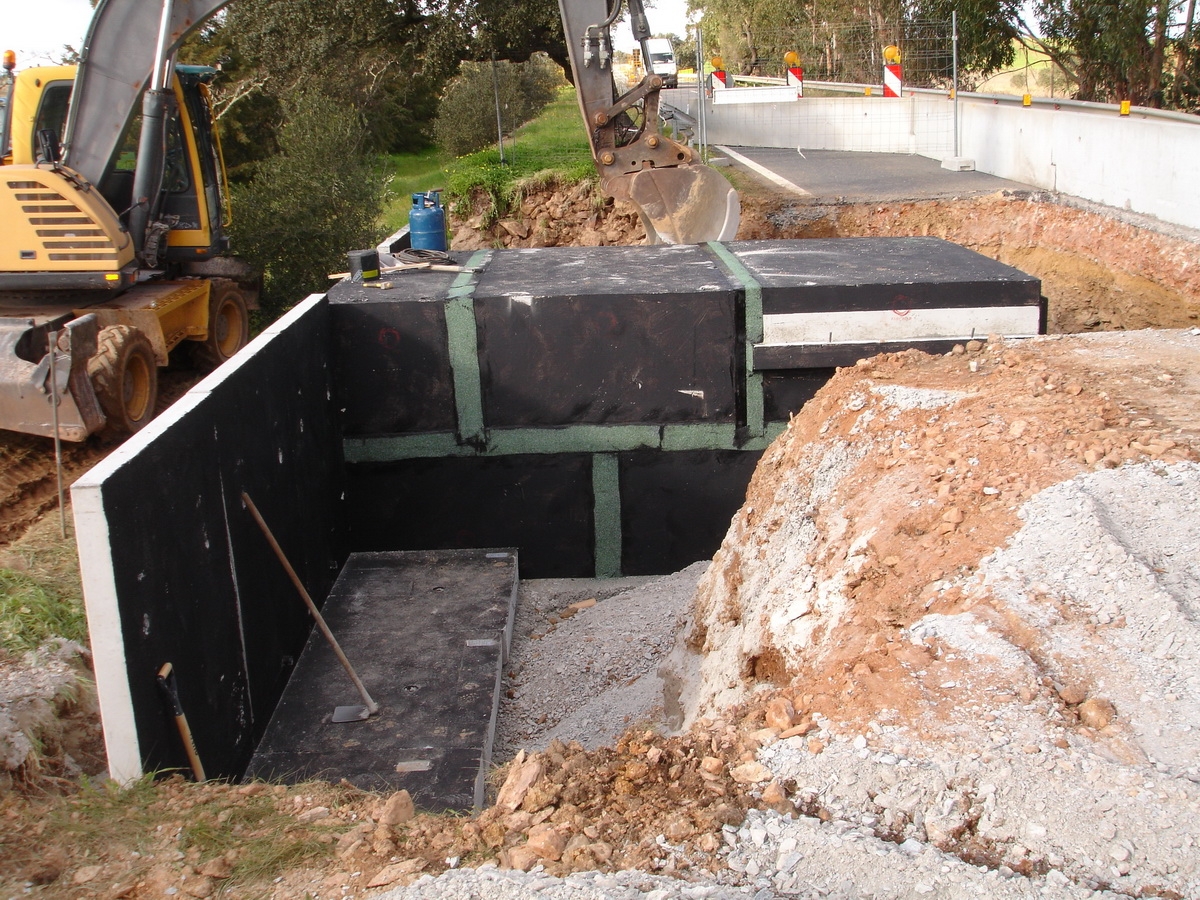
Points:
600	410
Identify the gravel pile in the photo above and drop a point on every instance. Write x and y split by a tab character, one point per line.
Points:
585	658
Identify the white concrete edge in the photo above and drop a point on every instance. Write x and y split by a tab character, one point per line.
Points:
185	404
882	325
768	94
764	172
104	628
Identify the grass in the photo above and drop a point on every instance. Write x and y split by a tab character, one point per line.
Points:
40	592
552	147
412	172
200	822
1032	72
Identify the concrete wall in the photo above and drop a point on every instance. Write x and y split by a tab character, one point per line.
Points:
175	569
1142	162
1139	162
914	124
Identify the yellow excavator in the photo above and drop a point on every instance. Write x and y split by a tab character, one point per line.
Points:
111	256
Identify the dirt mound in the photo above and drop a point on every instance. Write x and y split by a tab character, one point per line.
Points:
902	473
972	573
1099	273
553	216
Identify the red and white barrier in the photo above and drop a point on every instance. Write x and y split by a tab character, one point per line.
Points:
893	81
795	78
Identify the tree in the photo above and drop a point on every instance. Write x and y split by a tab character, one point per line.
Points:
371	55
987	30
1116	49
518	31
308	204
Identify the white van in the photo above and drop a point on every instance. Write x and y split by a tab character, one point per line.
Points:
662	61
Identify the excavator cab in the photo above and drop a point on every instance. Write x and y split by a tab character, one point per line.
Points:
37	103
193	185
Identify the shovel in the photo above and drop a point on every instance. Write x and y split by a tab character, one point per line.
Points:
340	713
170	692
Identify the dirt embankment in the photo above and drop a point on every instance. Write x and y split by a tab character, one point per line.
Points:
29	472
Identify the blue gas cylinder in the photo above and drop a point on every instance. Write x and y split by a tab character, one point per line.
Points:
427	222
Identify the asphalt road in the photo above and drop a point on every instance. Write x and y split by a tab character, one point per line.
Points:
832	175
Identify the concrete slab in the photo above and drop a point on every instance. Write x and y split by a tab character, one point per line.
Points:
829	302
428	633
859	177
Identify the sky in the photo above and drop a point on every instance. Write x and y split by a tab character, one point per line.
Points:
666	17
38	30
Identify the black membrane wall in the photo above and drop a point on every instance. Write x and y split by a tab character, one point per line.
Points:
197	584
603	408
600	410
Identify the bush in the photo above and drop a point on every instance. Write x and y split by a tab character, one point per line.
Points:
466	118
305	207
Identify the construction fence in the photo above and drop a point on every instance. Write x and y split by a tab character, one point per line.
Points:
854	86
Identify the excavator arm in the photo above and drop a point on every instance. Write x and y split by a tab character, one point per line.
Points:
119	55
681	200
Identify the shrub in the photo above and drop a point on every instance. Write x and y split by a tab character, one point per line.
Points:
466	118
305	207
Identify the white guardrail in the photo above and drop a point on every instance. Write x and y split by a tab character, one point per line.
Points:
1143	162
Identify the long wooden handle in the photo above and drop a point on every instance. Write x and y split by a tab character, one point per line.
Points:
166	681
372	706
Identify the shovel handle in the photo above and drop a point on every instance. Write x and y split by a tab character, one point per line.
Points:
372	706
170	690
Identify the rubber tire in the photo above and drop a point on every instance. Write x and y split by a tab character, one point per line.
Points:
228	325
124	373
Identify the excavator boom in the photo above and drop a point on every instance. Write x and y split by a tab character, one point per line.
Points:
115	68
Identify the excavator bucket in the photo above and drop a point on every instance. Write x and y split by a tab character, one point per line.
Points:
681	200
685	204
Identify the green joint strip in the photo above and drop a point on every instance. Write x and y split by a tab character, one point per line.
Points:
463	341
754	306
754	334
573	439
698	437
464	284
755	410
525	441
391	448
606	514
